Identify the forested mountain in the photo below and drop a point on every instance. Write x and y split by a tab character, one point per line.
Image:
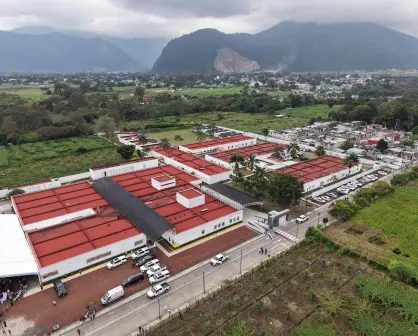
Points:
60	53
143	50
296	47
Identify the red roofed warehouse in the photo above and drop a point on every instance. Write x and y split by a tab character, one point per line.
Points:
218	144
319	172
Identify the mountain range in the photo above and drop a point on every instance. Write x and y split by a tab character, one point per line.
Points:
292	46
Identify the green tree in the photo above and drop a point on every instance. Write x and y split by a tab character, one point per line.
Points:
142	138
220	116
9	125
343	210
85	86
139	93
381	188
251	161
278	153
106	124
126	151
237	160
178	138
200	136
265	132
399	180
382	146
165	143
285	189
63	89
293	149
347	145
351	160
415	130
320	151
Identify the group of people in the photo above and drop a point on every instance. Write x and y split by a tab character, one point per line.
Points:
90	315
4	325
263	250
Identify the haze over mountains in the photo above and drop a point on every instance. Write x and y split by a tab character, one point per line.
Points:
287	46
294	47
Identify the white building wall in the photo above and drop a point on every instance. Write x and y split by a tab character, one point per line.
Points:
38	187
81	261
123	168
190	202
226	146
323	181
203	230
219	162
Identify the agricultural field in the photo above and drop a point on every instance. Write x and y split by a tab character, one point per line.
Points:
385	231
33	162
250	122
31	93
187	135
309	291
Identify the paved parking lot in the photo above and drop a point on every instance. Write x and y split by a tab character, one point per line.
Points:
37	311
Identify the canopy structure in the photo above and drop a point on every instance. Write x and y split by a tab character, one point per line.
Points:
16	258
139	214
232	196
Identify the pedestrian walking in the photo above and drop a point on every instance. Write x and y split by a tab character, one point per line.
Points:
12	304
42	287
5	325
10	332
269	255
79	331
54	303
140	329
265	251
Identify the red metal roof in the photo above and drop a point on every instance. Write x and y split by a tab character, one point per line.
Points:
217	142
259	149
308	171
190	160
191	193
163	178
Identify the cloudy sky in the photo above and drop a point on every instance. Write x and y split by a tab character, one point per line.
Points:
172	18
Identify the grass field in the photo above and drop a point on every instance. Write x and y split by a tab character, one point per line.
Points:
250	122
187	135
32	93
309	291
393	219
29	163
3	157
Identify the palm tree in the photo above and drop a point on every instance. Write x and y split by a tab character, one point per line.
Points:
237	160
165	142
293	149
145	150
200	136
350	160
265	132
259	176
278	153
320	151
251	161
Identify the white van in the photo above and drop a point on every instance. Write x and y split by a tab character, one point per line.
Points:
112	295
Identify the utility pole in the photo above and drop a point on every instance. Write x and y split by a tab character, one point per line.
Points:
240	264
204	285
159	308
319	214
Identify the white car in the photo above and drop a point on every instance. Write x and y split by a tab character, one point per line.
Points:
219	259
158	290
148	265
116	262
301	219
159	276
319	199
140	253
326	198
155	269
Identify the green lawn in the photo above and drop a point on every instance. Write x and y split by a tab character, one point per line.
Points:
32	93
396	218
3	157
187	135
252	122
30	163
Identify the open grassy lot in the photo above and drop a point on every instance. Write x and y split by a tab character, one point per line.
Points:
309	291
32	93
187	135
29	163
389	223
251	122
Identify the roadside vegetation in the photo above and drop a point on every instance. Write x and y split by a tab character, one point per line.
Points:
311	290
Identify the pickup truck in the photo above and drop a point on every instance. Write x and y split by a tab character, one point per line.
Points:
158	290
219	259
301	219
154	269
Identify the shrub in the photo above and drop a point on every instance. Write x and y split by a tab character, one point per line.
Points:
399	180
381	188
403	271
14	192
343	210
81	150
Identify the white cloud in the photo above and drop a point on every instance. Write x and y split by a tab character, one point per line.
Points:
172	18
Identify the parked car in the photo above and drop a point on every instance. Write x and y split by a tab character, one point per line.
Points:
343	191
301	219
145	259
319	199
155	269
60	288
219	259
382	172
333	194
158	290
116	262
112	295
132	279
140	253
159	276
148	265
326	198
